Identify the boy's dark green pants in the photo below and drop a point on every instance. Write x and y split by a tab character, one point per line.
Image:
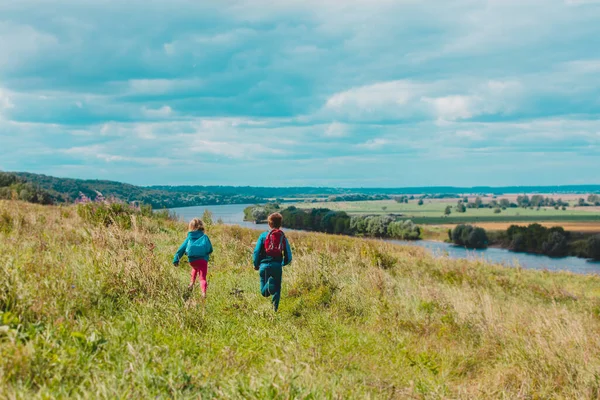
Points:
270	282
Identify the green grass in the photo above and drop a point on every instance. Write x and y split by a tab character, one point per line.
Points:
432	211
91	311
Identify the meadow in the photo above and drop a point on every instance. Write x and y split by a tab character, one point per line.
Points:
432	212
93	308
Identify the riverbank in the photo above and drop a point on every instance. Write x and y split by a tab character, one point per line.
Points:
92	310
234	215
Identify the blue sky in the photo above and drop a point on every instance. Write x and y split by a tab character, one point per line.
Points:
373	93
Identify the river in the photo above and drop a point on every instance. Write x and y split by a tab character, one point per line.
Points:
233	214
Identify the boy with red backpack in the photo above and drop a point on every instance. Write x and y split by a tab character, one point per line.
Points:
271	254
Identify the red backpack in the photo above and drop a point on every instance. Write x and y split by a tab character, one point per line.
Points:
275	244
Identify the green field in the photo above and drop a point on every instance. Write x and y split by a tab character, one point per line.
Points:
95	311
432	212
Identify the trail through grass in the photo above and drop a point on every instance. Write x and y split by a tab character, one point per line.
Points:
97	311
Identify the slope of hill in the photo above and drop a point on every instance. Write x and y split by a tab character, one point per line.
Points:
95	310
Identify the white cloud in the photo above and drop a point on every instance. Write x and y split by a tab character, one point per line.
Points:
451	107
5	101
444	100
158	86
469	134
231	149
374	144
100	152
20	43
336	130
370	97
163	112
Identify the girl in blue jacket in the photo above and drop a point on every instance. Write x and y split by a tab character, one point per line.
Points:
199	258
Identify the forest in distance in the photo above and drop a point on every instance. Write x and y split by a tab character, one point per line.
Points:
46	189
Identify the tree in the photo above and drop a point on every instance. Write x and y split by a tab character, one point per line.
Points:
448	210
470	237
497	210
537	200
207	218
556	245
478	202
594	199
460	207
523	201
477	239
593	247
420	202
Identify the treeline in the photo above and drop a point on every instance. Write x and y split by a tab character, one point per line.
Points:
14	187
553	242
68	190
337	222
536	201
357	197
306	191
534	238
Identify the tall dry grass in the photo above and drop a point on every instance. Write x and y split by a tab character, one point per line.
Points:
97	311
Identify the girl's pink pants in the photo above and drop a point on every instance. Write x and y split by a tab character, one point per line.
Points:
199	269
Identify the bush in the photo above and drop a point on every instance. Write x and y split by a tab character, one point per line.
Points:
470	237
405	230
107	214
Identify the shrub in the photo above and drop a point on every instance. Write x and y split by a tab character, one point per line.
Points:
107	214
406	230
207	218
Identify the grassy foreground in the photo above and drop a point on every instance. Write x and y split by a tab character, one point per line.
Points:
96	312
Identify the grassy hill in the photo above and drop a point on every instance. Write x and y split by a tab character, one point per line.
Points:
93	308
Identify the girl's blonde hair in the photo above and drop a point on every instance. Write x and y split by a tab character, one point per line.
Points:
196	225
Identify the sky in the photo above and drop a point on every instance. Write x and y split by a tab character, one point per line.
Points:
353	93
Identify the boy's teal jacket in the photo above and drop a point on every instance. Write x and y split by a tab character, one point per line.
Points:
260	258
193	236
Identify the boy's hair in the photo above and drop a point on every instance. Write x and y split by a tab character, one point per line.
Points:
196	225
275	220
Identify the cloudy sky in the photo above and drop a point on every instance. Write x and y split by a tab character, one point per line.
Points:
302	92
